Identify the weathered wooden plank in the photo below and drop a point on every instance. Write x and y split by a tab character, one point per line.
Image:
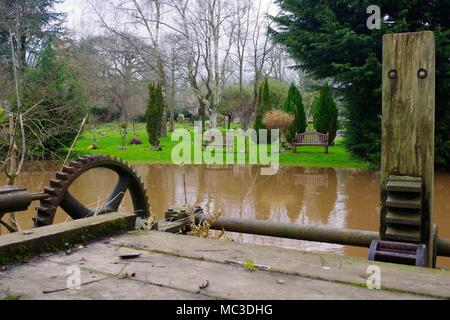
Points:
408	115
19	246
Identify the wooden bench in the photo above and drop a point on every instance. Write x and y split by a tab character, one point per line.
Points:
311	139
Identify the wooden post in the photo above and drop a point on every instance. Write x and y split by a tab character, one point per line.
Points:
408	126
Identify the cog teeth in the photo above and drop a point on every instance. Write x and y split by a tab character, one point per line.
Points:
83	160
52	201
47	210
50	191
55	183
69	170
45	213
75	164
62	176
42	221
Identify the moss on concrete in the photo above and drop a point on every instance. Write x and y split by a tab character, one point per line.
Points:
19	253
11	297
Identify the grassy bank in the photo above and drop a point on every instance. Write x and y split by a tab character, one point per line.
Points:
108	141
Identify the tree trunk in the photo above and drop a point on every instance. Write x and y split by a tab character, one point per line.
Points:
202	113
213	120
12	170
164	124
172	99
172	116
23	52
248	112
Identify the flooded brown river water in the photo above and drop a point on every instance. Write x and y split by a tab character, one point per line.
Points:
340	198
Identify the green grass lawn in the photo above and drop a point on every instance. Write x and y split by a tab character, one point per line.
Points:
108	141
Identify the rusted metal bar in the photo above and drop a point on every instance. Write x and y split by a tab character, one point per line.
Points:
39	196
346	237
13	199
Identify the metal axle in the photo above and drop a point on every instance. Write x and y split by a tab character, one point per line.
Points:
346	237
16	199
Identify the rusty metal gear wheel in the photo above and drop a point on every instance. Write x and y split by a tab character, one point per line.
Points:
59	195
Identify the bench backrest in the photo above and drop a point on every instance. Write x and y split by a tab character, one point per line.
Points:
312	138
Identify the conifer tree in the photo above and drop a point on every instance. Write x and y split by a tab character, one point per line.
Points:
294	106
154	114
326	114
329	39
263	106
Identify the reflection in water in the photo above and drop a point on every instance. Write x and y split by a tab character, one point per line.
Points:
339	198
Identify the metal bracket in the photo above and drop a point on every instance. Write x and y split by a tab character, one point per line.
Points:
400	253
177	220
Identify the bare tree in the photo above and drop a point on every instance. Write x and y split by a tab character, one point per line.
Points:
261	47
241	36
216	43
11	165
147	18
175	65
208	29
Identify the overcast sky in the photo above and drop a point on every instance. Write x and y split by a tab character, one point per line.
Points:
78	14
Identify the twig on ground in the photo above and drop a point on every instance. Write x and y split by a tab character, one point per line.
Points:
87	283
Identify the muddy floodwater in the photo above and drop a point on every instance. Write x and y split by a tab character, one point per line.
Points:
340	198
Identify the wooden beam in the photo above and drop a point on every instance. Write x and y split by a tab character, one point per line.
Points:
408	124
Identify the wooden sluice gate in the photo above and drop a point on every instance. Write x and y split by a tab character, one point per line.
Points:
407	238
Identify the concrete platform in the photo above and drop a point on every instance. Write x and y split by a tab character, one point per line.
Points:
166	266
